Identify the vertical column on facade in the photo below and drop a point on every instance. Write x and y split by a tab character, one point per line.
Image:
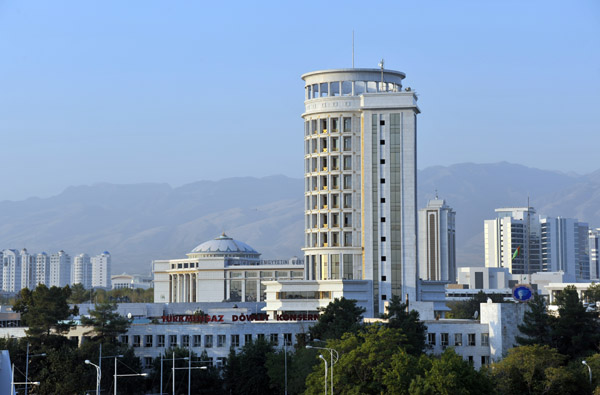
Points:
188	287
193	282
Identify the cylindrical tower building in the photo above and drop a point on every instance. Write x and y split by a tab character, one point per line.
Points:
360	180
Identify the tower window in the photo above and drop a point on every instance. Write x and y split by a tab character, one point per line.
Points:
382	161
382	200
383	297
383	180
382	142
382	122
382	238
382	219
383	258
383	278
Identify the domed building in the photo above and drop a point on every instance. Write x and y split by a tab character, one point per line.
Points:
220	270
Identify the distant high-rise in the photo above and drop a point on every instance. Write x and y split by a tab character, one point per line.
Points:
437	242
60	269
101	270
81	272
360	180
565	247
42	269
11	271
594	253
27	270
512	240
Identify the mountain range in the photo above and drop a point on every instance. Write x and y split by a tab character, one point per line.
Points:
141	222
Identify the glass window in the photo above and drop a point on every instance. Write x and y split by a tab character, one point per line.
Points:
471	339
173	340
347	181
251	290
137	341
208	341
335	266
125	339
221	340
347	266
147	362
275	339
347	124
347	220
287	339
371	87
148	341
323	89
160	341
359	88
346	88
347	200
197	340
431	339
235	291
247	338
335	88
260	336
347	239
347	162
444	339
308	92
185	340
235	340
458	339
347	143
315	91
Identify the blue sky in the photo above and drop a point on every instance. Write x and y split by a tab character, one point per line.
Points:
176	92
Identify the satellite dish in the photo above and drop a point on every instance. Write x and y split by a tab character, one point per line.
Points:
129	315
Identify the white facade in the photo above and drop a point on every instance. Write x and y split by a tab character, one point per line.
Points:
565	247
81	272
594	253
222	269
132	281
514	228
42	269
437	242
60	269
11	271
101	266
28	278
360	180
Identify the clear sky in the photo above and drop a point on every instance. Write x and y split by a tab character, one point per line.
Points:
181	91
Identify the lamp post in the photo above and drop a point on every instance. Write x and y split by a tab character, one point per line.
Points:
589	369
161	370
27	365
332	353
98	375
125	375
324	360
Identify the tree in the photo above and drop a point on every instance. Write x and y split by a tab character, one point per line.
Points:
79	294
107	323
365	357
299	365
246	372
576	331
340	316
45	309
537	323
593	292
534	369
407	321
403	369
450	374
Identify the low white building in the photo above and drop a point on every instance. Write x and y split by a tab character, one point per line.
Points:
132	281
222	269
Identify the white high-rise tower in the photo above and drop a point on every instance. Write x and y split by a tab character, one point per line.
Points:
360	180
437	242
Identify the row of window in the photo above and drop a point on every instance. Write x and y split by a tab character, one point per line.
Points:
325	145
348	88
445	339
328	164
328	201
198	341
327	125
331	182
329	239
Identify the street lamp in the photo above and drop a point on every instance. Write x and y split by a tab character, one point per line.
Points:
161	371
590	370
125	375
324	360
98	373
332	353
27	365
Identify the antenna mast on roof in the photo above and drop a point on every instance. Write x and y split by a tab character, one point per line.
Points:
381	65
352	48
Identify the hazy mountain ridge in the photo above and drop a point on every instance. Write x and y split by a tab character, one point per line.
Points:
141	222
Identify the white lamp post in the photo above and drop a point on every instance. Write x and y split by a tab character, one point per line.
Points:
332	353
590	370
98	375
324	360
27	366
